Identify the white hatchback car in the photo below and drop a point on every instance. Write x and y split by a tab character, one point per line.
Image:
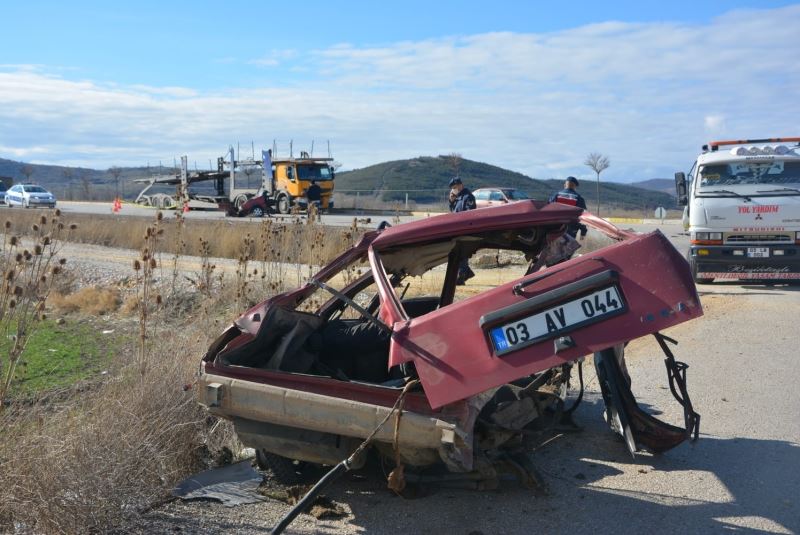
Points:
28	195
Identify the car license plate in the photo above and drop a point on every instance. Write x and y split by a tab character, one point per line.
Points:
758	252
555	320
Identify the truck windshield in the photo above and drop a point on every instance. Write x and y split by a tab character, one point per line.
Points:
750	173
313	172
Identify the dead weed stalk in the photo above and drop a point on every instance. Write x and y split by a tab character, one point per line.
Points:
147	303
28	274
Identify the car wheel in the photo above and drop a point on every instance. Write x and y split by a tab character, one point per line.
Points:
239	201
695	278
26	204
283	204
284	470
257	212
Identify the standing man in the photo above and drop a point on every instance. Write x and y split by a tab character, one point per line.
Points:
314	197
569	196
461	200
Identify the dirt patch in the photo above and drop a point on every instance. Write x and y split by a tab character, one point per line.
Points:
321	508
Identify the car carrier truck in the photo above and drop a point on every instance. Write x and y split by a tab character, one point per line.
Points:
249	185
742	200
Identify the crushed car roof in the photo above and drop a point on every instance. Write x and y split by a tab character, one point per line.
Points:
513	215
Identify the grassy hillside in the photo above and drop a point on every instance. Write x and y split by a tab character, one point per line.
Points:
425	180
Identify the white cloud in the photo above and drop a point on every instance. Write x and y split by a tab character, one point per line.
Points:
714	124
273	58
647	95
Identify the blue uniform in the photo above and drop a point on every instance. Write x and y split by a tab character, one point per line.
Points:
571	197
464	201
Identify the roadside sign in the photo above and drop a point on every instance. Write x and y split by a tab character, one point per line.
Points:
661	213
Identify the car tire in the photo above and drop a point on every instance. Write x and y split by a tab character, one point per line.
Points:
239	201
283	204
257	212
695	278
282	468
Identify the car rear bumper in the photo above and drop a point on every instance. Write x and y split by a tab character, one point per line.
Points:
419	436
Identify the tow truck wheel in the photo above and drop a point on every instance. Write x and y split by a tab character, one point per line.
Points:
283	204
257	212
239	201
285	470
695	278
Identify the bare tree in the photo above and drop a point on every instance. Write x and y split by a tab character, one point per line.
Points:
27	171
598	163
67	174
115	172
87	186
454	160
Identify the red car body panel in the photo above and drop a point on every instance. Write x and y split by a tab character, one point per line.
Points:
450	349
455	358
513	215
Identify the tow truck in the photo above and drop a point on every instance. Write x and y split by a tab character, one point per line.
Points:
742	206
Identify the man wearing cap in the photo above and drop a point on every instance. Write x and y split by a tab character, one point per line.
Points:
569	196
461	200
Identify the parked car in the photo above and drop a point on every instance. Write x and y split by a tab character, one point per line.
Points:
28	195
308	374
495	196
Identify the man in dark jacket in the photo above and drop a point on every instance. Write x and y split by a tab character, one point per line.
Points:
569	196
461	200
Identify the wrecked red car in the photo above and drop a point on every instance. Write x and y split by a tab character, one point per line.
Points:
308	374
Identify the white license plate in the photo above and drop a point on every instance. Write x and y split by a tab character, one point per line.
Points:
553	321
758	252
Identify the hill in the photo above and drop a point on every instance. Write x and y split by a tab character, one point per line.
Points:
76	182
425	180
665	185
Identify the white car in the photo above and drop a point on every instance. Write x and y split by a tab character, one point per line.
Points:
28	195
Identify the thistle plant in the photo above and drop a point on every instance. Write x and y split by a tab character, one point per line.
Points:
28	266
147	297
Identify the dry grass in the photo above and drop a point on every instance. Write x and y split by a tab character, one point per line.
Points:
107	454
85	460
88	300
294	242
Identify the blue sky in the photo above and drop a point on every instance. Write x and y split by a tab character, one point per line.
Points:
530	86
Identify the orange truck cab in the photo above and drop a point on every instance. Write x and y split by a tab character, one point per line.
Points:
286	180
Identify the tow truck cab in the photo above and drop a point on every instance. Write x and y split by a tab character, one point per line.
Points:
742	202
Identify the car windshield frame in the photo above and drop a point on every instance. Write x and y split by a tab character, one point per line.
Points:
515	194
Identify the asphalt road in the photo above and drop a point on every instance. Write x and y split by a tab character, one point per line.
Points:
742	476
131	210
